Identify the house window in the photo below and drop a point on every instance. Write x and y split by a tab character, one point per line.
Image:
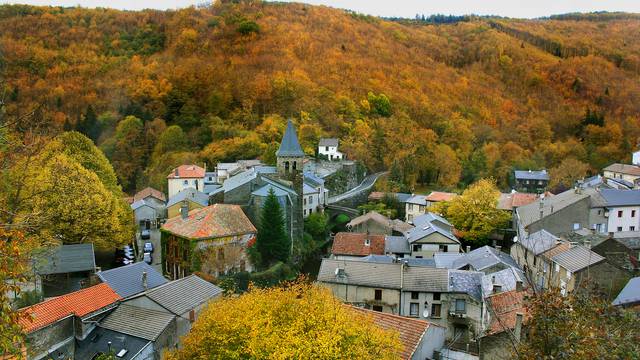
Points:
305	201
436	296
443	248
417	247
619	213
310	200
410	207
186	182
413	309
378	294
367	242
633	213
326	148
286	165
461	306
435	310
414	295
632	228
377	308
576	226
557	267
599	212
619	228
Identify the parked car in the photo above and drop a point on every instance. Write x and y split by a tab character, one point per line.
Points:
145	234
148	247
148	258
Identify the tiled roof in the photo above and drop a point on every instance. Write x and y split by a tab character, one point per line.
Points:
290	145
127	280
504	307
66	259
437	196
513	200
624	169
577	258
137	321
615	197
328	142
149	191
186	172
540	241
630	294
532	174
411	330
346	243
215	221
182	295
79	303
189	194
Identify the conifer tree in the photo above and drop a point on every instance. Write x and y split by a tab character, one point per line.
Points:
273	243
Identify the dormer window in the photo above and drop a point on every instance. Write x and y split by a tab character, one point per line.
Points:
367	242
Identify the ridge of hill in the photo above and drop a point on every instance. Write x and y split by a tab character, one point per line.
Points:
435	103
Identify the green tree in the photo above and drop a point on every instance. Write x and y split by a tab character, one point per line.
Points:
579	326
316	225
272	242
172	139
378	207
89	125
380	104
475	214
127	151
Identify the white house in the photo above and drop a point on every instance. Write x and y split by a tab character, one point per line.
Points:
635	158
329	148
311	200
415	206
316	182
185	176
622	209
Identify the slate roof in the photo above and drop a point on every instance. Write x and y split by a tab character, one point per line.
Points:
361	273
412	331
417	199
446	260
540	241
628	238
100	341
149	191
403	197
528	214
427	279
630	294
182	295
214	221
615	197
210	188
426	225
430	217
469	282
506	278
504	307
353	244
138	204
137	321
79	303
246	176
531	175
623	169
313	179
264	191
186	172
328	142
307	189
577	258
484	257
189	194
290	145
396	244
400	226
127	280
437	196
66	259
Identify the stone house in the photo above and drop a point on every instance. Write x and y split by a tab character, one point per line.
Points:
376	223
328	147
64	269
185	176
54	326
415	206
188	197
531	181
149	207
212	240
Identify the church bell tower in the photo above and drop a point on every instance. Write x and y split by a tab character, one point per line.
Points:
290	168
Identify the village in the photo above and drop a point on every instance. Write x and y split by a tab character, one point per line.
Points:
409	269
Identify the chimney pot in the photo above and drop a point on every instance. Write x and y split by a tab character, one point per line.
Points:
468	248
518	328
519	285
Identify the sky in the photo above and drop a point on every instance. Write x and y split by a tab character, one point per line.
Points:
398	8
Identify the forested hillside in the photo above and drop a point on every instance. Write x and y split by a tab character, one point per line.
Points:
443	104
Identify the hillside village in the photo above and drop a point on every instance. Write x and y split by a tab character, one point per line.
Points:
414	272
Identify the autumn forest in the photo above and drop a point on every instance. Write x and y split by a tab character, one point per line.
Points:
438	104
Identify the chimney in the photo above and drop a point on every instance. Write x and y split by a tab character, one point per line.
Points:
519	285
468	248
518	328
184	210
498	247
176	172
144	280
493	280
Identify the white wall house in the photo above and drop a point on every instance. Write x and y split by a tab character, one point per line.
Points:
311	200
622	209
185	176
415	206
329	148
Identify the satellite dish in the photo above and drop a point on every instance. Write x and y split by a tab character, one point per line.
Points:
425	313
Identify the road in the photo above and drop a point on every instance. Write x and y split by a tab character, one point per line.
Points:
366	184
157	252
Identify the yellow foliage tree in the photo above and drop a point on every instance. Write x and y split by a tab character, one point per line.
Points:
298	321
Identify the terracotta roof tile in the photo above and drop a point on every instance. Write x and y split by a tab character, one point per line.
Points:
186	171
149	191
214	221
411	330
504	308
79	303
436	196
346	243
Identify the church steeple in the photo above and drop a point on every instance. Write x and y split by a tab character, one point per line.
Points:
290	154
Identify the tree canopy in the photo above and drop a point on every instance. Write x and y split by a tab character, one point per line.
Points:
298	321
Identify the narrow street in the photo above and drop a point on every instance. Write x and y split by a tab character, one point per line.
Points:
157	252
